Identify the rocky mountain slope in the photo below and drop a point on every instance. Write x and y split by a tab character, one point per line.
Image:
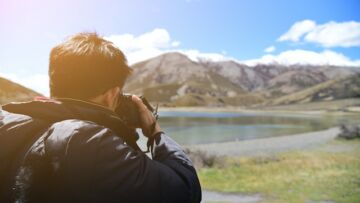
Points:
10	91
343	88
173	79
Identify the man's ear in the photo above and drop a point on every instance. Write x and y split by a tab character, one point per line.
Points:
111	97
108	99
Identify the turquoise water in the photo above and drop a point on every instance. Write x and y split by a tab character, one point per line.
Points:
190	128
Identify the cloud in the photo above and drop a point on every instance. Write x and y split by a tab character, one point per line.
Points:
154	43
196	55
159	41
331	34
298	30
37	82
334	34
144	46
304	57
269	49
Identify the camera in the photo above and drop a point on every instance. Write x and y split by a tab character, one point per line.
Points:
128	111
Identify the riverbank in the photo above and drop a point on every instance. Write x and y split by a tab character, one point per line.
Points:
267	146
327	172
344	106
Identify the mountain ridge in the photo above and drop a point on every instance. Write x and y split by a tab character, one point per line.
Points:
173	79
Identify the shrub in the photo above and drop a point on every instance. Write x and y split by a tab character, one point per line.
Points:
349	131
203	159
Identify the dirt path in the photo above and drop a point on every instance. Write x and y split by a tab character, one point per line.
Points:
265	146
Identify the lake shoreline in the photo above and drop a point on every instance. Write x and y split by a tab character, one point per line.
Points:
353	111
266	146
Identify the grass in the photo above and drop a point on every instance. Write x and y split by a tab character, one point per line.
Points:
302	176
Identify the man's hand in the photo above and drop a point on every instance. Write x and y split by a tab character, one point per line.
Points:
146	118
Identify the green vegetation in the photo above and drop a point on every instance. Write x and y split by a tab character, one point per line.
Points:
329	173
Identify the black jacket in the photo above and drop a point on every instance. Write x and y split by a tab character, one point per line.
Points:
71	151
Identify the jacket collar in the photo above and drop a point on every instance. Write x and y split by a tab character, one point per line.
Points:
55	110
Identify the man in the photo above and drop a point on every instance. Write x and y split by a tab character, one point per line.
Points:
74	148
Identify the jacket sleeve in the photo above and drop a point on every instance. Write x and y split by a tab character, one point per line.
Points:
108	170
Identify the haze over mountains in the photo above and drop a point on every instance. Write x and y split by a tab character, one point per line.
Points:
172	79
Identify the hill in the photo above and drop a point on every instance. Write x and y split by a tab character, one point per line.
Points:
11	91
343	88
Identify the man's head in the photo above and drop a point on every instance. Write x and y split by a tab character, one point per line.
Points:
86	66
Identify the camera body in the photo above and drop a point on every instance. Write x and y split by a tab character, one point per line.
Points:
128	111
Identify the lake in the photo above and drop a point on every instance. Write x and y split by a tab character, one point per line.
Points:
189	128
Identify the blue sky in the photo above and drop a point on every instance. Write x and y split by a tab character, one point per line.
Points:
219	30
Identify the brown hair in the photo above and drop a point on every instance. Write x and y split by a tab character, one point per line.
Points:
85	66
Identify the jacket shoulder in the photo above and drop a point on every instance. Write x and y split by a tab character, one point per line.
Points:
76	126
71	136
74	131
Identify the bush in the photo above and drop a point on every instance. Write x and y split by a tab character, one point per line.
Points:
203	159
349	131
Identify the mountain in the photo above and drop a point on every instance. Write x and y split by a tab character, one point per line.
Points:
174	79
343	88
10	91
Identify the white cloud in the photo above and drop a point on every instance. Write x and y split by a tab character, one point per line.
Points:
304	57
269	49
298	30
158	38
154	43
175	44
144	46
158	41
331	34
37	82
196	55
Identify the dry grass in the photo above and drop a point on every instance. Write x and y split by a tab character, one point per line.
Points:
292	177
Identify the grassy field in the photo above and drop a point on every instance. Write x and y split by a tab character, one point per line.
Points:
327	173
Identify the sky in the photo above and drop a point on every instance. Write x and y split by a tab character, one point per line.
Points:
248	31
